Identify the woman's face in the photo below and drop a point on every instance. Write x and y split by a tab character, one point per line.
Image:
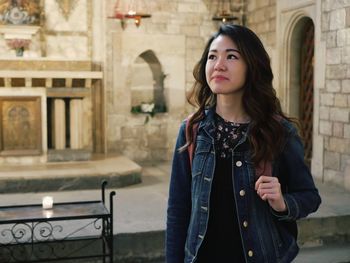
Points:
225	69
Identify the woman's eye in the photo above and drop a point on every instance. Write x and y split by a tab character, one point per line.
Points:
211	57
231	56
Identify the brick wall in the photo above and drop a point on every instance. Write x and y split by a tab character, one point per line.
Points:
193	20
155	140
128	134
335	96
261	18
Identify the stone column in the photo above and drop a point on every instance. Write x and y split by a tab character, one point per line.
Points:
59	124
76	123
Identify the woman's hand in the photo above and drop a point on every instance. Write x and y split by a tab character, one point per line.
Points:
269	189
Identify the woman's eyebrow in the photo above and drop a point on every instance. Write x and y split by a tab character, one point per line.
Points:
227	50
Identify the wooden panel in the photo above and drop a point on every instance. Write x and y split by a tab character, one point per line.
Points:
20	125
307	89
68	92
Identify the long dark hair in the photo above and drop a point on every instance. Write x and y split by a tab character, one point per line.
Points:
259	98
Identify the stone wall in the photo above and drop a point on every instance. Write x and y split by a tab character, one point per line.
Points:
176	33
261	18
63	33
68	37
335	97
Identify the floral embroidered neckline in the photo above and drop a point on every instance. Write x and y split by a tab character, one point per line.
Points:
227	135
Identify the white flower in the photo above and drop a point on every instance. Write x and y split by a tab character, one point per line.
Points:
147	107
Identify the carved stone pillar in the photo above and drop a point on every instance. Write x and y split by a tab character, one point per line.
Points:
76	123
59	124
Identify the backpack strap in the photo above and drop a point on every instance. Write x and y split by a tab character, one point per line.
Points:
264	168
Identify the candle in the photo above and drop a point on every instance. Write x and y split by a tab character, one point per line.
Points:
47	202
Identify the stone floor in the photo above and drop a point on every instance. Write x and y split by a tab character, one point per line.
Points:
140	214
119	171
339	253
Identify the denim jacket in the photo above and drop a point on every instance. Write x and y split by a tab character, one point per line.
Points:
266	235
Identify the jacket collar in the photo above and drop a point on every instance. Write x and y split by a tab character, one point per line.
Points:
208	122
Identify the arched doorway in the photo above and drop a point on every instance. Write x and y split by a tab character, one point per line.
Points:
147	83
302	80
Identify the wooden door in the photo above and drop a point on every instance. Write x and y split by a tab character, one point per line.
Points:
307	89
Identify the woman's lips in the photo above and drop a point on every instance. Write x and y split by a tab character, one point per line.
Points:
219	78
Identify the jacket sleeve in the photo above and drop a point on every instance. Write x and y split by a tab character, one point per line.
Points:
179	202
299	191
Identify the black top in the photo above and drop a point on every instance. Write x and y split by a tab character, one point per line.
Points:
222	241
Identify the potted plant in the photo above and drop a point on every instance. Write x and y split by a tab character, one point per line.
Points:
18	45
148	108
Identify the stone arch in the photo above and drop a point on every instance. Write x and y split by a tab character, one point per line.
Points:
296	44
300	84
292	16
147	80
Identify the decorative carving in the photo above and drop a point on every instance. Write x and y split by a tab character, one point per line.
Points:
39	241
21	233
20	125
20	12
66	7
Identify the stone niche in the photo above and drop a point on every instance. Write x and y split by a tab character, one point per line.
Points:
22	125
149	69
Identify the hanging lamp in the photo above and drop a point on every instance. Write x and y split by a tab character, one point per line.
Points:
229	11
135	9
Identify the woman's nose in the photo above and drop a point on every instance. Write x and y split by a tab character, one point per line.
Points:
220	64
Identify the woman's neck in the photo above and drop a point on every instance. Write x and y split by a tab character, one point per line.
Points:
231	109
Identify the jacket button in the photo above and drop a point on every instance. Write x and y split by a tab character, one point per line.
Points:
250	253
245	223
242	193
238	163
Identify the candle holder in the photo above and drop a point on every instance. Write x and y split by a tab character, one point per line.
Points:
47	202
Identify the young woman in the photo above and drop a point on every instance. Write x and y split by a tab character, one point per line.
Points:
239	198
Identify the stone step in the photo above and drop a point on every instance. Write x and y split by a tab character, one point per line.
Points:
319	231
119	171
148	247
339	253
68	155
331	223
328	228
140	215
142	247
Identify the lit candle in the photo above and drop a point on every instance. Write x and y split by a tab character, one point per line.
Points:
47	202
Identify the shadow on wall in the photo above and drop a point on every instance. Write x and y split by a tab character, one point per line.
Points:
147	85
